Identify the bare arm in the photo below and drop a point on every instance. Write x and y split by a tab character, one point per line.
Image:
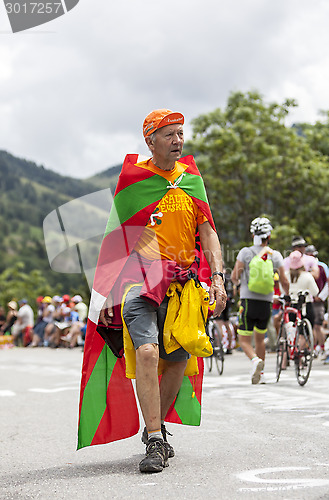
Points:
237	271
283	280
212	251
315	271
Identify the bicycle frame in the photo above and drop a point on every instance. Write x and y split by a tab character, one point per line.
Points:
297	322
299	348
218	352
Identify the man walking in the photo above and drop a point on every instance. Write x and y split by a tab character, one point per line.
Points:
309	261
320	300
178	210
255	308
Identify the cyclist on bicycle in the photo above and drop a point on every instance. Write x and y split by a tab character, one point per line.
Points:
300	281
224	320
255	309
319	304
309	261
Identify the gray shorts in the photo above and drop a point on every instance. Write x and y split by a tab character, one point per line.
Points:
145	324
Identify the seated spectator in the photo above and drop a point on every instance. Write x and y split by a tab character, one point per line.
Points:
79	312
62	327
80	307
10	318
57	316
48	311
77	333
40	308
22	328
2	317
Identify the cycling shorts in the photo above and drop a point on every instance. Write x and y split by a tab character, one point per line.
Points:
253	316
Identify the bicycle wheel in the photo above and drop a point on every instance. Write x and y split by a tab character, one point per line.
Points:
281	349
304	347
209	363
208	360
218	349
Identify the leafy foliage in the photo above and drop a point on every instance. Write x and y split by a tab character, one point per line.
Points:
28	194
16	284
253	164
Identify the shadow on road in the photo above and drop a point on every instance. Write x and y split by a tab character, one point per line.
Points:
71	471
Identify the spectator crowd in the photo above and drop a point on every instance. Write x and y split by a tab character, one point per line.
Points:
59	322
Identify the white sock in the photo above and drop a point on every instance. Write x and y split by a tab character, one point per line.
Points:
157	434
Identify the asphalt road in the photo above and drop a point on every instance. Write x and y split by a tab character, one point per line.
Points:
255	442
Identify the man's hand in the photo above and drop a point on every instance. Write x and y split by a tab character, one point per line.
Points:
106	314
217	293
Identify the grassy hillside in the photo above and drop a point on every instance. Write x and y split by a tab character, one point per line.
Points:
108	178
28	193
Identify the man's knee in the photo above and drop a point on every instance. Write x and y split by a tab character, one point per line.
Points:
147	354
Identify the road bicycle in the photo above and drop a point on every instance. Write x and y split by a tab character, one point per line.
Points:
218	352
295	340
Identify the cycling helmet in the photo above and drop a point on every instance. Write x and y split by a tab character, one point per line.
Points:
311	250
261	226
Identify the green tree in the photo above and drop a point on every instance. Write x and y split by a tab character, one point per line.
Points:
317	135
16	283
253	164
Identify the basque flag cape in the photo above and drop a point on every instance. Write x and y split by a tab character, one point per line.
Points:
108	409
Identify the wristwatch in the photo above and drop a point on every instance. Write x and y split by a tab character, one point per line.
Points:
219	273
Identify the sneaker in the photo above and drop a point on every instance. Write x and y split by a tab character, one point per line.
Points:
145	440
317	351
262	378
258	366
326	361
156	458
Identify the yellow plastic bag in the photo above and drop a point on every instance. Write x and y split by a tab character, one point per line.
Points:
189	326
169	342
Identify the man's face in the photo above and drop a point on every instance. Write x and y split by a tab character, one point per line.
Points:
301	248
168	143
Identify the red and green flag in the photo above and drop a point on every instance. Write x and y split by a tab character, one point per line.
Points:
108	409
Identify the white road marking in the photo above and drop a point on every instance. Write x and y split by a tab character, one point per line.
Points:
51	391
289	483
5	393
44	369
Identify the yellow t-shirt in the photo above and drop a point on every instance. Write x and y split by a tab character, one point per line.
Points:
170	231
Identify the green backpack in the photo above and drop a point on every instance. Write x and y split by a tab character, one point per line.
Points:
261	275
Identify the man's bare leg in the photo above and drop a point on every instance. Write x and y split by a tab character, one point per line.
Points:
260	345
319	336
147	385
254	355
245	342
171	381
